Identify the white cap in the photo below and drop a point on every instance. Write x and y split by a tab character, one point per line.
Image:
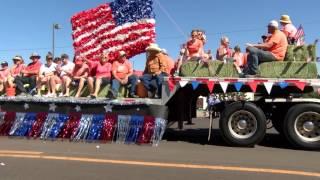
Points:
164	51
273	23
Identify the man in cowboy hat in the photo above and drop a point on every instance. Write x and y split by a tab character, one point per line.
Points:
155	70
29	75
274	49
122	72
288	28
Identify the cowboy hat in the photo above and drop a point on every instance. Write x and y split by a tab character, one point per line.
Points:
35	55
17	57
285	19
153	47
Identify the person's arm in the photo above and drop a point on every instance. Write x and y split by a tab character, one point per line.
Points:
114	71
163	64
264	46
130	70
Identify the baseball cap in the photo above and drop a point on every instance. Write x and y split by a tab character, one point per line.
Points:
273	23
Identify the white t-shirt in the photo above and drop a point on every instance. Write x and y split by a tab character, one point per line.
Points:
66	67
44	69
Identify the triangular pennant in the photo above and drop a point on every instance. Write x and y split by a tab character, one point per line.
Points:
253	85
268	86
171	84
224	86
283	85
195	84
238	85
210	85
300	85
183	83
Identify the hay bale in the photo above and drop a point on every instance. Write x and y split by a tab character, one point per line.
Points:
290	69
212	69
301	53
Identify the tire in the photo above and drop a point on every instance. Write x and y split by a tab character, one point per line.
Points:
302	126
243	124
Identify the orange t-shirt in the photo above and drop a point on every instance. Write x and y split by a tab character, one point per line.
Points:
194	47
170	64
240	59
122	69
280	44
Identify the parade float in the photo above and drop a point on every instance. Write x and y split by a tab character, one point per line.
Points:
285	92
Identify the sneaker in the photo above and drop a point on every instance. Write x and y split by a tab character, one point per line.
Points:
133	95
37	95
23	94
112	94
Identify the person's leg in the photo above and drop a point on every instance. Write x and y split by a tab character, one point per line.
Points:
1	85
39	84
146	80
132	80
53	83
115	87
255	57
48	85
10	82
159	80
97	87
81	84
90	85
67	82
19	83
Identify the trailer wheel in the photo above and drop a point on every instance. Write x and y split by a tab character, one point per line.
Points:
302	126
243	124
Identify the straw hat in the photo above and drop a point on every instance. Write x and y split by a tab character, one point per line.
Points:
153	47
285	19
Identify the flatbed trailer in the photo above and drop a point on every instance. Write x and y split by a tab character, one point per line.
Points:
245	104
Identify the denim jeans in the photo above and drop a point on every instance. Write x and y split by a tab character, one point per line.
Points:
132	80
153	82
255	57
20	81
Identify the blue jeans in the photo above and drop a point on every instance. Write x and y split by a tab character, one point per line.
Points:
132	80
153	82
255	57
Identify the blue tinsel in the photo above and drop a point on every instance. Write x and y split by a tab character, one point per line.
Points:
125	11
96	127
135	124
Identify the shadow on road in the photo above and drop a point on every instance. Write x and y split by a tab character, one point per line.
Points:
200	136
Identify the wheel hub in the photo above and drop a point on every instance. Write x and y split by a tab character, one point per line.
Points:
242	124
308	126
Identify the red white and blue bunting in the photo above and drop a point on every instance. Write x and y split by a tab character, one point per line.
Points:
238	83
122	129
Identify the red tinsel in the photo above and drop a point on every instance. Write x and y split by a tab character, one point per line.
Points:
70	126
37	125
147	130
8	122
109	127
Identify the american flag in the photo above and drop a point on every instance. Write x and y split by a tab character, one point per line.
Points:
299	37
127	25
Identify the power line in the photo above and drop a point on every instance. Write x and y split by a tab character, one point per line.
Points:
33	49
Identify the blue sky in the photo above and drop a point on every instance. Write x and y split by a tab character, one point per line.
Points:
26	25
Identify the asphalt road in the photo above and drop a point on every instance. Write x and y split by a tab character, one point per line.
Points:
181	155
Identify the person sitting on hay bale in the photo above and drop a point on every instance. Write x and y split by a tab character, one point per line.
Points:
45	74
28	75
101	74
224	53
274	49
4	74
155	70
63	76
193	49
240	59
122	72
79	75
288	28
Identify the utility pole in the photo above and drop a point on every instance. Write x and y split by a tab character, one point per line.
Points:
54	27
